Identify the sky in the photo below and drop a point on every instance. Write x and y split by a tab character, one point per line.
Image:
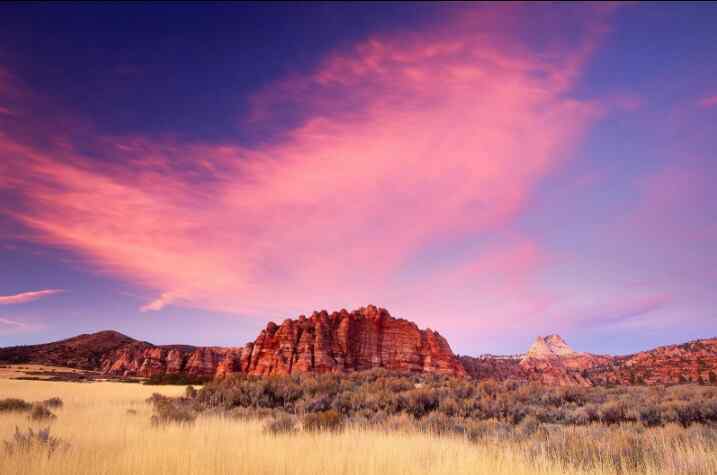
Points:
185	173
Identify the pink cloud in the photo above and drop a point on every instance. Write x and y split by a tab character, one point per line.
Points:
25	297
159	303
405	141
709	101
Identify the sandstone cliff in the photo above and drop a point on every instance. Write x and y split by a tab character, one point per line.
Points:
348	341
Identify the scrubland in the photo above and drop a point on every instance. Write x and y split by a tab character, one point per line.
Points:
364	424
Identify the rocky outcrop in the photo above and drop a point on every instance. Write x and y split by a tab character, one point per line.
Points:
338	342
691	362
551	360
349	341
146	360
549	347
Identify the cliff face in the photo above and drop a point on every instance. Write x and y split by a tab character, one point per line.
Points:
338	342
145	360
349	341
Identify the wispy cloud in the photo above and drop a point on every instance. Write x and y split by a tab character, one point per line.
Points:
708	101
622	310
9	326
158	304
27	296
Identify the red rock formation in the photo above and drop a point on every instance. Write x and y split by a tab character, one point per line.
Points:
694	362
370	338
349	341
550	360
145	360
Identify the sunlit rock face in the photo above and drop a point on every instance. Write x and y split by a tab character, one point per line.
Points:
322	343
349	341
551	346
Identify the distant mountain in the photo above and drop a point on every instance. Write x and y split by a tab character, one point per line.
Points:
694	361
82	351
550	360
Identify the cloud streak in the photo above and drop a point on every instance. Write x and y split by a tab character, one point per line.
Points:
624	310
9	326
162	301
25	297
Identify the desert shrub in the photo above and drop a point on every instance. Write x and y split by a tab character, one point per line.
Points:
319	404
323	421
438	423
12	404
283	424
170	411
157	398
420	402
53	403
650	416
371	397
170	414
40	413
31	441
190	392
612	412
528	425
177	379
476	430
449	406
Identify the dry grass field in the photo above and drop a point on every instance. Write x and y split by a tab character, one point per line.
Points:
34	370
108	431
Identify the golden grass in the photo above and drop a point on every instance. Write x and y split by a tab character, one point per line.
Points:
105	439
15	370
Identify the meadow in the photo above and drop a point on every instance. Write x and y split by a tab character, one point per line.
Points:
108	428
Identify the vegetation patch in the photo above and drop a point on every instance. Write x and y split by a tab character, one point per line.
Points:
14	405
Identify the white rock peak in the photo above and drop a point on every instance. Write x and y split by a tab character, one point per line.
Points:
551	346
